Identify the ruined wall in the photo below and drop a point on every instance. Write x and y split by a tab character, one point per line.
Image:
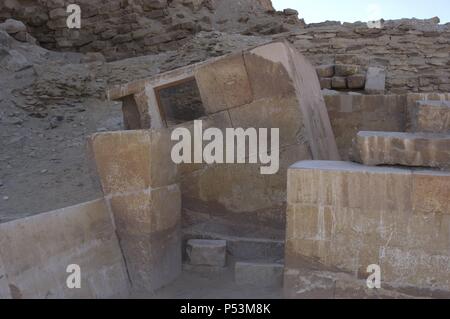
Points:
35	253
415	53
125	28
343	217
140	183
350	114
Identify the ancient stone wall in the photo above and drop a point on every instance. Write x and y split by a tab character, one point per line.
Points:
140	183
415	54
35	253
343	217
350	114
126	28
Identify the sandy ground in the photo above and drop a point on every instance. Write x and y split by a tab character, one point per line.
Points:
197	285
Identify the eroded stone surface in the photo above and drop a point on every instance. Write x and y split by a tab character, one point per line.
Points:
409	149
259	274
375	80
36	252
139	180
207	252
343	217
431	117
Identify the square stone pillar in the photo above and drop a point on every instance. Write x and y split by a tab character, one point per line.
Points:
140	183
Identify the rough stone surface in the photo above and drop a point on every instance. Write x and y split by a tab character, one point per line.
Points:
346	69
139	180
431	117
259	274
130	161
238	91
35	253
339	82
207	252
408	149
325	71
13	26
350	114
335	224
356	81
375	80
224	84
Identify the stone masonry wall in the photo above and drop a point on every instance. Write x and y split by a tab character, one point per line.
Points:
415	53
126	28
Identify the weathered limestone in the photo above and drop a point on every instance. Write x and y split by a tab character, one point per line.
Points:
259	274
36	251
431	117
204	252
139	180
344	216
350	114
325	71
409	149
346	69
339	82
375	80
224	84
356	81
271	86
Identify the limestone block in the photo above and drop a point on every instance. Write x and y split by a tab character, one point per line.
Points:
148	211
37	250
408	149
346	69
431	192
268	79
375	80
152	260
224	84
325	71
243	194
339	82
278	112
259	274
325	83
356	81
207	252
431	117
133	160
334	223
350	114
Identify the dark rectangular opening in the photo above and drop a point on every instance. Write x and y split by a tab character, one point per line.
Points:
180	102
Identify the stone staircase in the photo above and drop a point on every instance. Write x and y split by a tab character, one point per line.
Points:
253	261
426	145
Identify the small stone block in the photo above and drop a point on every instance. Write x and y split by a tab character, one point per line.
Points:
207	252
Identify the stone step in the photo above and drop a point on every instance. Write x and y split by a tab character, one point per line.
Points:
203	252
251	247
431	117
260	274
407	149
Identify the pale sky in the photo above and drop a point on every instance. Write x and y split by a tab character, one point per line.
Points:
365	10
